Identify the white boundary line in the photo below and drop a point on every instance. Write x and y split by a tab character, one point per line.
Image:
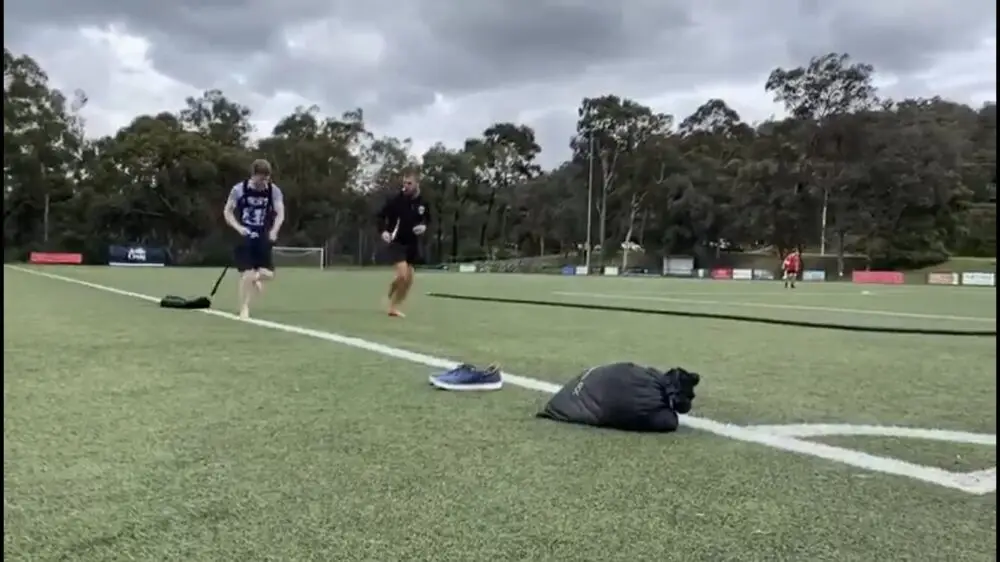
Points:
847	430
971	484
779	306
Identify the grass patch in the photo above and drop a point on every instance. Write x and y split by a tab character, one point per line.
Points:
142	434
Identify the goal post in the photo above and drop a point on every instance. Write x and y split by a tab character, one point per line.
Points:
297	256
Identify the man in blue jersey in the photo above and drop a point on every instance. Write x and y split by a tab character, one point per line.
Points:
255	209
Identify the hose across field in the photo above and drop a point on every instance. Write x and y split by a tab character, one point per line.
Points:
733	317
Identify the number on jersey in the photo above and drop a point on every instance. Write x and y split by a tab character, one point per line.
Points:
253	216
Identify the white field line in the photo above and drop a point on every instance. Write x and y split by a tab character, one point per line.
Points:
618	296
849	430
987	479
850	457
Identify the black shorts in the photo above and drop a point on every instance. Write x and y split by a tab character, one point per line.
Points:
404	252
254	253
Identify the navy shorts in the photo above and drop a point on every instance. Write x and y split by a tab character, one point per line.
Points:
254	253
404	252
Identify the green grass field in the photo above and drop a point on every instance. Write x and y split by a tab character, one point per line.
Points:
134	433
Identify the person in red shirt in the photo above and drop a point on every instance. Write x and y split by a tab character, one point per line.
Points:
791	267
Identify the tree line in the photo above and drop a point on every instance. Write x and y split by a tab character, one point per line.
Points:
904	182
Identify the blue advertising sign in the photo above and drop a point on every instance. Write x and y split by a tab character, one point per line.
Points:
136	256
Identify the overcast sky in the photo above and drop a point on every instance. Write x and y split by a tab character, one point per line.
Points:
446	69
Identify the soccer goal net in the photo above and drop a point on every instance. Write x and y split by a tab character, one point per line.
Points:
291	256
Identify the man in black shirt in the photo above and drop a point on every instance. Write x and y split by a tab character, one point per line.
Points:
402	220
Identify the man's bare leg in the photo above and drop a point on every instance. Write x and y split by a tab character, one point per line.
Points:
399	288
247	288
393	288
404	290
263	276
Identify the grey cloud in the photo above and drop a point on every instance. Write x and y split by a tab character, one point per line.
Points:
554	131
430	46
455	48
530	40
225	24
895	37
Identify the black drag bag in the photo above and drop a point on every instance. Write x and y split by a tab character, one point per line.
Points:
624	396
174	301
195	303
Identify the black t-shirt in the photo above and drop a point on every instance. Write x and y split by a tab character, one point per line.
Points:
406	211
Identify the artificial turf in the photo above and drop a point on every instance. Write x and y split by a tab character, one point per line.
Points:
134	433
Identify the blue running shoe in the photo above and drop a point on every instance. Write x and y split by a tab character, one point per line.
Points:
468	377
463	368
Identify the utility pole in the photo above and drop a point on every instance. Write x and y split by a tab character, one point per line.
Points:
822	232
590	194
46	202
45	221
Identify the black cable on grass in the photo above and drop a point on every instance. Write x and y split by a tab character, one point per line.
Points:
771	321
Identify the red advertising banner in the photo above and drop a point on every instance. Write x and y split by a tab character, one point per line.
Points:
877	277
722	274
61	258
